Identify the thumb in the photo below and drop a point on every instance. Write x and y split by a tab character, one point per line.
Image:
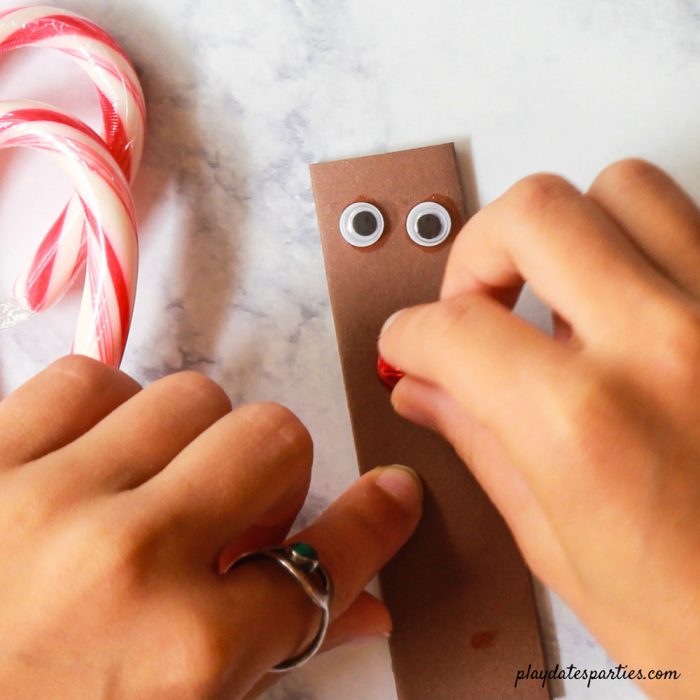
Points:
432	407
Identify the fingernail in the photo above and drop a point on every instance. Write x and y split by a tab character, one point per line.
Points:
415	412
389	321
420	403
403	485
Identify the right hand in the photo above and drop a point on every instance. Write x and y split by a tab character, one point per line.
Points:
588	442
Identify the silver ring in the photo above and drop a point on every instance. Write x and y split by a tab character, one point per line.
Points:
300	560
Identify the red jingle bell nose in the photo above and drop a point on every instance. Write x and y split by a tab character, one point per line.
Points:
388	375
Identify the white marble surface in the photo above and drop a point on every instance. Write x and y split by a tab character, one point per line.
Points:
243	94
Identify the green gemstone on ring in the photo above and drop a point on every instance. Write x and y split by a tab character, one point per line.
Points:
302	549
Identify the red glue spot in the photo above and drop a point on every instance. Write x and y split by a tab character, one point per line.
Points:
483	640
388	375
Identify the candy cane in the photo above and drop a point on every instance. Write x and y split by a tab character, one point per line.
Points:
102	190
61	255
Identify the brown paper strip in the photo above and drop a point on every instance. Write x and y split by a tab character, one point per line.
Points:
459	593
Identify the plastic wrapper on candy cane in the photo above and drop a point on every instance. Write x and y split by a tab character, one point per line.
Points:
105	199
61	255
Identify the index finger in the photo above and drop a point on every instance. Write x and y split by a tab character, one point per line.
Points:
493	363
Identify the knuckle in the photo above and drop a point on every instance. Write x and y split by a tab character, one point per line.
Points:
624	174
280	419
582	414
452	315
201	652
116	550
200	386
537	192
678	345
115	547
370	525
79	368
272	412
192	657
107	558
28	504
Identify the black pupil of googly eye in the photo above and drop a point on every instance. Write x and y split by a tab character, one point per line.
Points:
364	223
429	226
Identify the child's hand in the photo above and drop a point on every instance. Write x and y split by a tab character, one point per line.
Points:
114	506
589	444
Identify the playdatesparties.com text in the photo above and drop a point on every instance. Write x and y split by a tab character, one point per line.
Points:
573	672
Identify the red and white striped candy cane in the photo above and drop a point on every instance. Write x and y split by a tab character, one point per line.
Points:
103	193
61	255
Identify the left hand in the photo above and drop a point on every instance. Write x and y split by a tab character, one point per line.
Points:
115	505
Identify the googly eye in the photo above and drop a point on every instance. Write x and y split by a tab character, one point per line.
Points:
361	224
428	224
